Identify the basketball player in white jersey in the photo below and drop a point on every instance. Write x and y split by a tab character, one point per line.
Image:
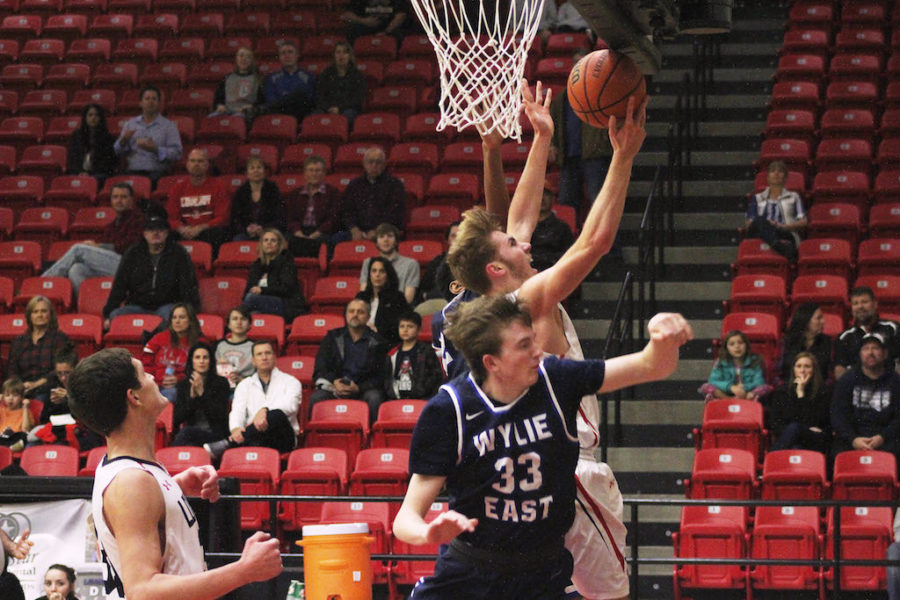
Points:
148	534
488	261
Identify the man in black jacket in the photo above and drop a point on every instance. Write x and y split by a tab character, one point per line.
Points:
350	360
155	274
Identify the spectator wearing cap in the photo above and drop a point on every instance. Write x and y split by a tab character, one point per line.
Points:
199	207
406	268
865	409
154	275
864	308
551	237
100	257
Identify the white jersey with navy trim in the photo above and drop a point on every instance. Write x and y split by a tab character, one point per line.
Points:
182	554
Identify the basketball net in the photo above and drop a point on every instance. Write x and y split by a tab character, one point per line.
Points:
481	59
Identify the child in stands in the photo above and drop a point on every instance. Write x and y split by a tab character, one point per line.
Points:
412	369
234	353
15	416
738	372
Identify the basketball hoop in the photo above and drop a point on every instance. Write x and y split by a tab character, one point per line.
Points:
481	59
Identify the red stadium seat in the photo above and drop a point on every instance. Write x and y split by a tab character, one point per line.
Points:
67	77
6	223
57	289
376	129
794	153
796	95
866	534
42	51
181	458
838	220
311	471
855	66
340	424
786	532
799	40
127	331
400	99
11	327
71	192
791	124
422	127
417	73
21	77
42	161
43	225
844	154
85	330
710	532
824	256
380	472
7	288
218	295
91	51
332	293
295	22
416	45
463	156
257	469
187	49
888	156
269	328
89	222
301	368
157	25
828	291
348	257
864	475
423	251
755	257
225	48
139	183
235	258
859	40
43	103
884	220
408	572
81	98
65	27
204	25
431	222
308	330
414	157
732	423
21	27
320	46
887	186
50	461
324	129
863	13
725	473
201	256
794	475
349	157
800	67
9	51
7	161
759	293
378	47
21	132
847	123
93	294
19	260
139	51
295	155
459	189
878	256
111	26
851	94
247	24
394	425
94	458
279	130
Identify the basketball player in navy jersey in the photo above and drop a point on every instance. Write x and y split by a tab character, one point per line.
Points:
503	440
147	532
487	260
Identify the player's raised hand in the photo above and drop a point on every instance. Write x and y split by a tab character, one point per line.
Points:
199	482
21	546
627	138
668	332
447	526
261	558
537	108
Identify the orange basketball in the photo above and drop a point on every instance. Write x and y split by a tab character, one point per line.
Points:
600	85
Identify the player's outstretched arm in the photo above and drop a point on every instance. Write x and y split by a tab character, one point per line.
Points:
199	482
410	525
134	509
658	359
496	196
526	202
543	291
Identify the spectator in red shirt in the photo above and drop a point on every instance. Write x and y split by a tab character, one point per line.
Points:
199	207
166	354
100	257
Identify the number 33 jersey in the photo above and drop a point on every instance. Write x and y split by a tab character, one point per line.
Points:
511	466
182	554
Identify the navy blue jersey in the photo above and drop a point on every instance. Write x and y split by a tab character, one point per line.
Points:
511	466
452	360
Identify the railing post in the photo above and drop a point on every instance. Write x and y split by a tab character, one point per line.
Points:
836	540
635	546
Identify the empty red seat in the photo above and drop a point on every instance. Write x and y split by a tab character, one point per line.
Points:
376	129
307	331
866	534
381	47
60	129
206	25
794	153
844	154
380	472
799	40
21	132
81	98
394	425
802	95
733	423
794	475
838	220
50	461
726	473
43	51
342	424
786	532
89	222
92	295
759	293
800	67
187	49
218	295
294	22
65	27
181	458
279	130
422	251
247	24
91	51
847	123
43	103
225	48
19	260
878	256
332	293
431	222
348	257
710	532
258	470
325	129
311	471
755	257
157	25
855	40
884	220
887	186
401	100
852	65
824	256
828	291
864	475
269	328
21	27
86	331
140	51
414	157
127	331
45	161
56	289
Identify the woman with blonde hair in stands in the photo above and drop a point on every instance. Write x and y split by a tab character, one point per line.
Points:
241	92
272	286
31	354
800	414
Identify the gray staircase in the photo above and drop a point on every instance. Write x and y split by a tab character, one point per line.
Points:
655	451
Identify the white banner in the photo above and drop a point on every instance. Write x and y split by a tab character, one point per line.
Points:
62	533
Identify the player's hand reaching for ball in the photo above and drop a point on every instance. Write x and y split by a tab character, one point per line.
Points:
668	332
628	137
537	108
261	558
447	526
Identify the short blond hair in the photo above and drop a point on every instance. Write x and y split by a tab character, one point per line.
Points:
14	386
472	251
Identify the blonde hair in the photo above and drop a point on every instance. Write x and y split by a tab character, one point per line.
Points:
53	324
472	251
282	244
14	386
